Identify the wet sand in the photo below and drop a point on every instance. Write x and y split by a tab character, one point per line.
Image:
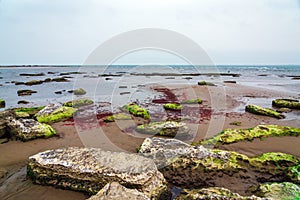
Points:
222	104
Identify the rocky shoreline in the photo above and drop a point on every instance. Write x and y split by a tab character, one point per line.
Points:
199	170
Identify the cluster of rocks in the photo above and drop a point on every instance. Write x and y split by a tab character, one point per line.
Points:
201	173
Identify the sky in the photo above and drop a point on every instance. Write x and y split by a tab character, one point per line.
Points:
230	31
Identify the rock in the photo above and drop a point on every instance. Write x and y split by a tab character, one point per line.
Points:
206	83
47	80
54	113
192	101
197	166
108	79
229	136
58	92
167	128
60	79
2	103
123	93
137	111
22	115
216	193
173	106
284	110
115	191
283	190
263	111
90	169
5	117
286	103
119	116
29	129
78	103
4	140
19	83
34	82
31	111
294	174
25	92
79	91
123	86
37	74
23	102
233	82
236	123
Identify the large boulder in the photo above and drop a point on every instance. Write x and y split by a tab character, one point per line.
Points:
165	128
197	166
216	193
29	129
90	169
54	113
263	111
115	191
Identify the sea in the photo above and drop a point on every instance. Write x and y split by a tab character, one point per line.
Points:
120	84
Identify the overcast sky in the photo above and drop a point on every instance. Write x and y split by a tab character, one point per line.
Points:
231	31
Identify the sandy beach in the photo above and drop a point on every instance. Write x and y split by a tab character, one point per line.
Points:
121	135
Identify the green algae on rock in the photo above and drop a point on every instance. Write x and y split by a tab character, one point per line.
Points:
206	83
54	113
22	115
119	116
137	111
192	101
2	103
29	129
286	103
263	111
229	136
116	191
294	174
167	128
213	193
284	190
30	111
90	169
79	91
78	103
173	106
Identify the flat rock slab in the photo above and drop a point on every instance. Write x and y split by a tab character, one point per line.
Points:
115	191
90	169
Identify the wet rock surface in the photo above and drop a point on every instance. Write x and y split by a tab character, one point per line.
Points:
286	103
90	169
263	111
25	92
54	113
115	191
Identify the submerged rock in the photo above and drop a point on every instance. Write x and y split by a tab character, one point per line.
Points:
206	83
173	106
229	136
286	103
60	79
29	129
34	82
115	191
78	103
23	102
197	166
32	74
54	113
216	193
167	128
2	103
284	110
137	111
263	111
120	116
90	169
79	91
25	92
283	190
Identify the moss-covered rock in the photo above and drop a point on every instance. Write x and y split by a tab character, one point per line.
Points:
283	190
78	103
119	116
2	103
90	169
217	193
205	83
235	135
30	111
137	111
294	174
286	103
54	113
173	106
263	111
22	115
29	129
79	91
192	101
167	128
